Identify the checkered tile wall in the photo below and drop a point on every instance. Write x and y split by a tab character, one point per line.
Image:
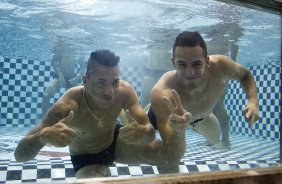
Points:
268	87
23	82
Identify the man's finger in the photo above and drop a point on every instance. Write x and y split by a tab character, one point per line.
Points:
72	132
187	116
252	120
176	98
248	114
175	117
169	104
251	125
68	118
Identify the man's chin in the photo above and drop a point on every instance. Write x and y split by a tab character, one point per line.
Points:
192	84
193	79
107	104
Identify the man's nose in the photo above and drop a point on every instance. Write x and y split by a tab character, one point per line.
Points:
109	90
189	71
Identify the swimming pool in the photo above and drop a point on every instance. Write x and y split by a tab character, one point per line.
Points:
141	33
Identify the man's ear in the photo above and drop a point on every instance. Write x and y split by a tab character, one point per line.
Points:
208	60
84	79
173	61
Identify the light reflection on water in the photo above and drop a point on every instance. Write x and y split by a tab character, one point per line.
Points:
29	28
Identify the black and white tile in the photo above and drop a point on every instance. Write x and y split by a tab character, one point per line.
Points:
247	152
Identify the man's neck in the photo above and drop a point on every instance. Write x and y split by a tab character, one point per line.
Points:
92	105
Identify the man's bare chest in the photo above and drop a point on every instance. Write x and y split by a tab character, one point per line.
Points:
201	104
87	124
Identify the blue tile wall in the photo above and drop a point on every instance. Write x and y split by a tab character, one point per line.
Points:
269	88
23	82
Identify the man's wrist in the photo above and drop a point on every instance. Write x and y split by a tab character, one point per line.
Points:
254	101
41	136
149	132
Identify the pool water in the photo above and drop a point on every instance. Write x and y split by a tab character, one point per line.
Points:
141	32
31	29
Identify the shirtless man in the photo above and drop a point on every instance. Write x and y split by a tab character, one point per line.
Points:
194	88
63	62
84	119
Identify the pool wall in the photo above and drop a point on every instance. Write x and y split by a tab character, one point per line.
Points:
23	82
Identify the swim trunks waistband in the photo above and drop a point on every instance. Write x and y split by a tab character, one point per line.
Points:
196	121
153	119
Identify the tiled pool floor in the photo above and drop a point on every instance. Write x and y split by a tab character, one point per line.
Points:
247	152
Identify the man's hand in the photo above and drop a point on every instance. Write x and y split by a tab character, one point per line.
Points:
179	118
251	114
59	135
133	132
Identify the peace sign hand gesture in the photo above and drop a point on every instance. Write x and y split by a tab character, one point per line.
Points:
179	118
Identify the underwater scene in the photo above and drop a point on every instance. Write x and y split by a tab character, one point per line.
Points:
45	42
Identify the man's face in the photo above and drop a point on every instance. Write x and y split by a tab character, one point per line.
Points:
190	64
103	85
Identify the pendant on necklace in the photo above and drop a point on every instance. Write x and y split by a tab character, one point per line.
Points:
100	124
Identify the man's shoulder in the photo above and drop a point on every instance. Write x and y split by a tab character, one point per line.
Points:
218	58
74	92
125	86
71	97
124	83
160	90
222	66
168	75
126	90
166	81
219	62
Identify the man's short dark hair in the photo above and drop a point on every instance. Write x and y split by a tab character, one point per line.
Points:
103	57
189	39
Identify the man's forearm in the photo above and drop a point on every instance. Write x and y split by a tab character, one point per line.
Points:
149	134
249	85
28	147
174	144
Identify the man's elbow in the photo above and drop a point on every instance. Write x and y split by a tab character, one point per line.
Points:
246	77
21	156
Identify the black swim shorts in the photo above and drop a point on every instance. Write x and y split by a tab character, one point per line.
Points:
153	119
105	157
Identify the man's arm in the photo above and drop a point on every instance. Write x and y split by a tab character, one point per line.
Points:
30	145
238	72
52	130
139	123
172	121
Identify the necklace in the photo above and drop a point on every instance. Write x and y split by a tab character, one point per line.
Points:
100	122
